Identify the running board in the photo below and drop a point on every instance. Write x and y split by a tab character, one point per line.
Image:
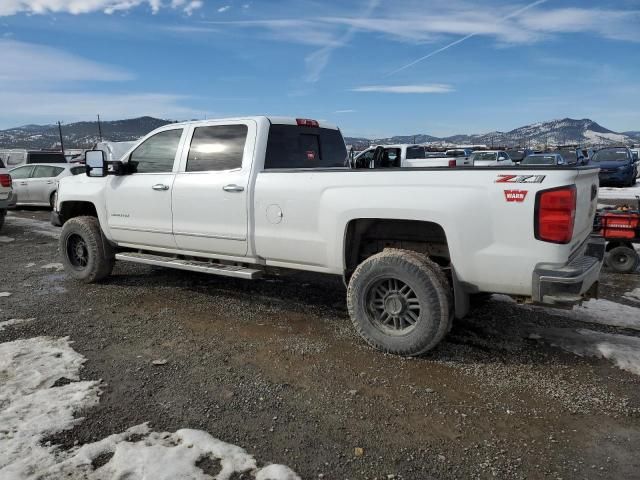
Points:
191	265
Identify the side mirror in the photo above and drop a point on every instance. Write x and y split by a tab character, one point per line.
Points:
96	164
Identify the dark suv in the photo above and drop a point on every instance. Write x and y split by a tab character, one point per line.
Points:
617	166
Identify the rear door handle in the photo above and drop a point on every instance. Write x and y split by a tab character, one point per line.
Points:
233	188
160	186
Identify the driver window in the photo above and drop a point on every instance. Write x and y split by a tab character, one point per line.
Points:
157	153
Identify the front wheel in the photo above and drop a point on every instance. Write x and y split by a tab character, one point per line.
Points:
623	259
400	302
83	251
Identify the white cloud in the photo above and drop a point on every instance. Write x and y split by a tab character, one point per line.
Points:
348	110
224	8
426	88
49	106
27	96
27	61
77	7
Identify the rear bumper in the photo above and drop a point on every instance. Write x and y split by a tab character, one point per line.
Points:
9	201
565	285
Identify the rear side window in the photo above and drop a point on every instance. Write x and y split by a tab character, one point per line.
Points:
415	152
21	172
46	171
292	146
219	147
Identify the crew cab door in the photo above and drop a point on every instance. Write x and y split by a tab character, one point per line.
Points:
211	189
139	204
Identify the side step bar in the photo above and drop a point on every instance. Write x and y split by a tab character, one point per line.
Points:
191	265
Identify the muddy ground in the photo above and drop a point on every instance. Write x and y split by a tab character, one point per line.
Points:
274	366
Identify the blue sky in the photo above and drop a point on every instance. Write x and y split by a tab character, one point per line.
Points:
374	67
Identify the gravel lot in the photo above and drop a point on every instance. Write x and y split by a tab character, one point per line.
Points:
274	366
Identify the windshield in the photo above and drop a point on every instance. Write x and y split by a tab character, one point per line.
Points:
484	156
539	160
611	155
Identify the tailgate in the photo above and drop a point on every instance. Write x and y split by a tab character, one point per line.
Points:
586	204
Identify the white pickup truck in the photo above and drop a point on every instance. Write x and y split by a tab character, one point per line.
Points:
231	197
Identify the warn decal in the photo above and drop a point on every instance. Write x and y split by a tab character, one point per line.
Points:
520	178
515	195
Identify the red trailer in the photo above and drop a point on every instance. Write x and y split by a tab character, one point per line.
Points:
620	226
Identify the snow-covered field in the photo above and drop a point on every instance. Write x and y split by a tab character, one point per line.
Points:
35	404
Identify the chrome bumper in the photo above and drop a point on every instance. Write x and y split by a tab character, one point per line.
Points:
565	285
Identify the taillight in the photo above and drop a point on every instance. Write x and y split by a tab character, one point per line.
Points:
452	163
555	214
5	180
305	122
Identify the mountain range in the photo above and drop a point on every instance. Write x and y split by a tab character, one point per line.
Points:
556	132
566	131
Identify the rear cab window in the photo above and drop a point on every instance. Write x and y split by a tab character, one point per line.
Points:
294	146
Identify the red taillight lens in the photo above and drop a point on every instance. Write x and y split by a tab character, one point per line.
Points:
555	214
305	122
5	180
452	163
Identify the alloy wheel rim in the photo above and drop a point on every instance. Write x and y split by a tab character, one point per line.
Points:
394	307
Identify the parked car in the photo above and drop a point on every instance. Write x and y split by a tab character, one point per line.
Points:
491	158
406	155
37	184
548	159
6	192
233	196
462	155
572	156
617	166
517	155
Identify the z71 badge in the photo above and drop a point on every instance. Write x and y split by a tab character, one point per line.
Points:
520	178
515	195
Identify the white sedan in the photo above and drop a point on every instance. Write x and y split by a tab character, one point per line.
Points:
36	184
491	158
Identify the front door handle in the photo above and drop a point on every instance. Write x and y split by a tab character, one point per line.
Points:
160	186
233	188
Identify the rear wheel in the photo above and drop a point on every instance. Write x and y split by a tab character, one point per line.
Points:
83	253
623	259
400	302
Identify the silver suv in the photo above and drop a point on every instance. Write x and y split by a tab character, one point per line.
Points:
37	184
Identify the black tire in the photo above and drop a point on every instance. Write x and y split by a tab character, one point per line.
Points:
3	213
83	252
421	316
623	259
52	198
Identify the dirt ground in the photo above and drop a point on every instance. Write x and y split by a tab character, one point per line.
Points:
274	366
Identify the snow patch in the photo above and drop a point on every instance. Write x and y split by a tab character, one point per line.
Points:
32	407
14	321
58	267
622	350
603	312
633	295
5	294
623	193
6	239
36	226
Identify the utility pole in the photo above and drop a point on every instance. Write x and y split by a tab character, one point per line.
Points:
99	128
60	132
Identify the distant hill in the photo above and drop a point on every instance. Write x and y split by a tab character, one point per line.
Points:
566	131
78	135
